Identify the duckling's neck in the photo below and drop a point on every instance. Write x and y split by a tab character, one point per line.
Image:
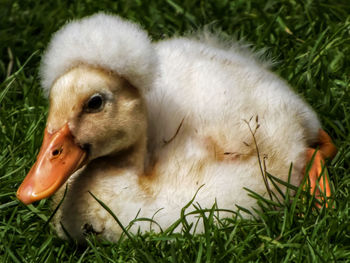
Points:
132	157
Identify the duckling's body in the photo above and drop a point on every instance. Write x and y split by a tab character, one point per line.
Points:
153	148
197	136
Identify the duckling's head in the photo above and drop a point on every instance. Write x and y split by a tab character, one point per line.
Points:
95	71
93	113
104	112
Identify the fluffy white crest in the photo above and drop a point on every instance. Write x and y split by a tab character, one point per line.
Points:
100	40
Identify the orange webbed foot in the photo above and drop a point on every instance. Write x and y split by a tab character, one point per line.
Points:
318	175
327	148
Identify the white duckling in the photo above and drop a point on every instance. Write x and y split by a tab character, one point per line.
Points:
144	125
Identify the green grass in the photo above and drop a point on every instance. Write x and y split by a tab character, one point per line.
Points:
310	40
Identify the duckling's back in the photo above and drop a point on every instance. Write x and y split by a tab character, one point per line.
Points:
207	106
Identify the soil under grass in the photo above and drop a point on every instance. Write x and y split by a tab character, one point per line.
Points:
310	43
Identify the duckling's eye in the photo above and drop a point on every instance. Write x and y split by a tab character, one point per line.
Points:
94	104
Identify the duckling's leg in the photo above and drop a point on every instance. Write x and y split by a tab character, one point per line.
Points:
327	148
318	172
318	175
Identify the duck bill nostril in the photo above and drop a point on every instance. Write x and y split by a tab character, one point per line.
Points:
56	152
49	172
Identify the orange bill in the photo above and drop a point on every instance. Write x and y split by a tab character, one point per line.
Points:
59	158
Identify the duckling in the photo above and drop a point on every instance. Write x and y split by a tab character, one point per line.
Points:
147	126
